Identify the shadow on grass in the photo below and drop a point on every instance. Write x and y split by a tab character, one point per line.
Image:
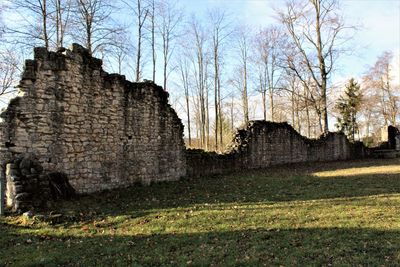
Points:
25	246
288	247
277	184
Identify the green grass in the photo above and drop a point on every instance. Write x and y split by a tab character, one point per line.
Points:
325	214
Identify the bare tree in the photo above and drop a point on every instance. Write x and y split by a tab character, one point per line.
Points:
152	8
184	71
221	30
243	50
169	18
199	61
315	28
121	51
9	71
269	44
94	24
61	18
379	80
27	31
39	22
141	11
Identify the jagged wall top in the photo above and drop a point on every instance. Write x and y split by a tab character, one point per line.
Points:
56	61
256	127
100	129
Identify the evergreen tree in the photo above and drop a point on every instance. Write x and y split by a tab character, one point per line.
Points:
348	105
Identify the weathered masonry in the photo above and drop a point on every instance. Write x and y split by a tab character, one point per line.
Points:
262	144
99	129
74	120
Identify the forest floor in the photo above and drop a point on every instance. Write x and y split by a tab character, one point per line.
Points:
322	214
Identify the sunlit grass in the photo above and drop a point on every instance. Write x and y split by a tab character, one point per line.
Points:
389	169
278	216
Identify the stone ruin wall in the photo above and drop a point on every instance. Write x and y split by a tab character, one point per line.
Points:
99	129
105	132
262	144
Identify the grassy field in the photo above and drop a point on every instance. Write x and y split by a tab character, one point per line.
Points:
327	214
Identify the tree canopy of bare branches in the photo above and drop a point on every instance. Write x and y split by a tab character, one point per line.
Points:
315	28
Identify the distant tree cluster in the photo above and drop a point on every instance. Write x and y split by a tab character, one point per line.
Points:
220	73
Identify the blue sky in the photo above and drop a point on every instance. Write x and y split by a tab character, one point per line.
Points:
378	21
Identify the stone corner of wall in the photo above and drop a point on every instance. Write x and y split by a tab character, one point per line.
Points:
10	110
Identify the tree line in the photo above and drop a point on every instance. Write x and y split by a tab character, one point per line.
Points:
221	73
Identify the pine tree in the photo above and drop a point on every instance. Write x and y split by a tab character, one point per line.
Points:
348	105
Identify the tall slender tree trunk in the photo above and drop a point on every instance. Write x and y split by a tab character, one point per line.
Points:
271	102
43	4
264	100
245	97
89	38
58	23
139	42
138	56
184	73
322	67
153	41
216	97
298	117
293	109
165	64
188	118
232	103
207	106
220	111
308	118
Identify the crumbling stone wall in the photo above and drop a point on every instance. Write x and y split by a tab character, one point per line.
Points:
262	144
99	129
27	187
104	132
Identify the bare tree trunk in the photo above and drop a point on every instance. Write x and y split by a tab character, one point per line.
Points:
139	44
43	7
141	18
264	100
318	55
166	49
185	80
298	117
220	112
232	126
216	95
207	122
308	118
153	43
207	105
293	108
58	20
89	39
271	103
245	98
188	118
263	93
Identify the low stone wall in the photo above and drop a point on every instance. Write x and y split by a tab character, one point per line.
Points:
202	163
262	144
